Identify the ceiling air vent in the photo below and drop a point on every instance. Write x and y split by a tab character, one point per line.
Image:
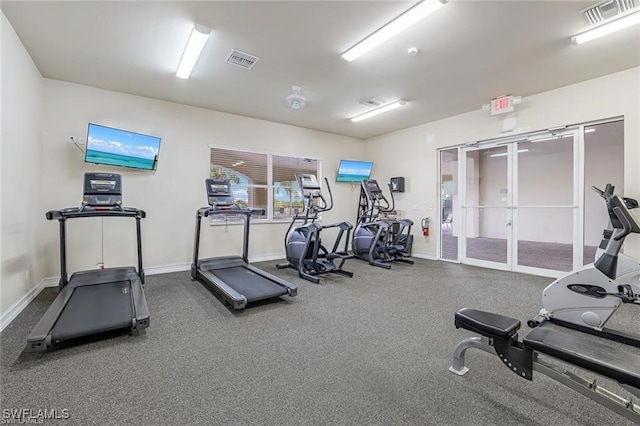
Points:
241	59
607	9
372	102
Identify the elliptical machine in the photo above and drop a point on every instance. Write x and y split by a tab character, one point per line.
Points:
303	245
586	298
379	240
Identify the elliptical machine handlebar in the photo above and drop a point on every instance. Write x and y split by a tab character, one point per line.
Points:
393	201
323	206
326	209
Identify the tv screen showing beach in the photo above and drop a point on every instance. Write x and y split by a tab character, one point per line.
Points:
353	171
115	147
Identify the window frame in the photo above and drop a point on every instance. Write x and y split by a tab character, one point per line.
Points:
270	187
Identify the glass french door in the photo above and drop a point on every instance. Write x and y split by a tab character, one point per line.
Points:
449	205
520	204
486	207
525	203
546	204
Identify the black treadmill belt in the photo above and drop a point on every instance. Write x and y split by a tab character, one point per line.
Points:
249	284
95	309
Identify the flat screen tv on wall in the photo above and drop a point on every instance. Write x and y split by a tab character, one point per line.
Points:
354	171
115	147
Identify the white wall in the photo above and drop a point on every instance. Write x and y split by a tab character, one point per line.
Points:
21	165
172	194
412	152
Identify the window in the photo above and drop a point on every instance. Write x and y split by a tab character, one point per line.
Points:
263	180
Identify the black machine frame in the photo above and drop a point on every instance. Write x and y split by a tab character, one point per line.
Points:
232	277
499	336
307	255
68	318
379	240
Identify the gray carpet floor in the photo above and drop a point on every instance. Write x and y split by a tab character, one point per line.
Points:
371	350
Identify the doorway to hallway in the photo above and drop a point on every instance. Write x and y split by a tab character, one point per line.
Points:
525	203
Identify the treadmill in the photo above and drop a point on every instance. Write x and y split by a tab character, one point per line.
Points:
231	277
94	302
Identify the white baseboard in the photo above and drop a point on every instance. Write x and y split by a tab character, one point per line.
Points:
51	281
423	255
22	303
266	257
181	267
166	269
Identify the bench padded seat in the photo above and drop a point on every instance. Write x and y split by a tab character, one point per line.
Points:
487	323
610	359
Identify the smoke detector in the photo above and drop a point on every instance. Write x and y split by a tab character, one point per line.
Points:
296	100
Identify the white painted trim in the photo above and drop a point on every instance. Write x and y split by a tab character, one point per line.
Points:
166	269
22	303
267	257
181	267
423	255
51	281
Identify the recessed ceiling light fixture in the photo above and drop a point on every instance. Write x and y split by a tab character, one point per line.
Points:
607	27
402	22
388	107
199	36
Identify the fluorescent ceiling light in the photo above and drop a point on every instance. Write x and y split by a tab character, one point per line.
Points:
380	110
590	130
616	24
402	22
504	154
196	43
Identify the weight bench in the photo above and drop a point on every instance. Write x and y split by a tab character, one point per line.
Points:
499	334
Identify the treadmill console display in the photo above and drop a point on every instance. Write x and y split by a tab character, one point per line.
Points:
102	189
219	193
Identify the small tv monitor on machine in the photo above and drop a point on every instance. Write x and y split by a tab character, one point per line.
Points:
115	147
354	171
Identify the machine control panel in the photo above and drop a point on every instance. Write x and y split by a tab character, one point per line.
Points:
219	194
102	190
373	189
308	184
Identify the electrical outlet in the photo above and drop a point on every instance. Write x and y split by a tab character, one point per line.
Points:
74	140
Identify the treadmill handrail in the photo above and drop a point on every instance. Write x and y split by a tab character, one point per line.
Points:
77	212
210	211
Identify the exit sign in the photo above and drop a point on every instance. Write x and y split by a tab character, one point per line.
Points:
501	105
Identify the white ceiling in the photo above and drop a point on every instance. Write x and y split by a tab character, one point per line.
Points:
470	52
